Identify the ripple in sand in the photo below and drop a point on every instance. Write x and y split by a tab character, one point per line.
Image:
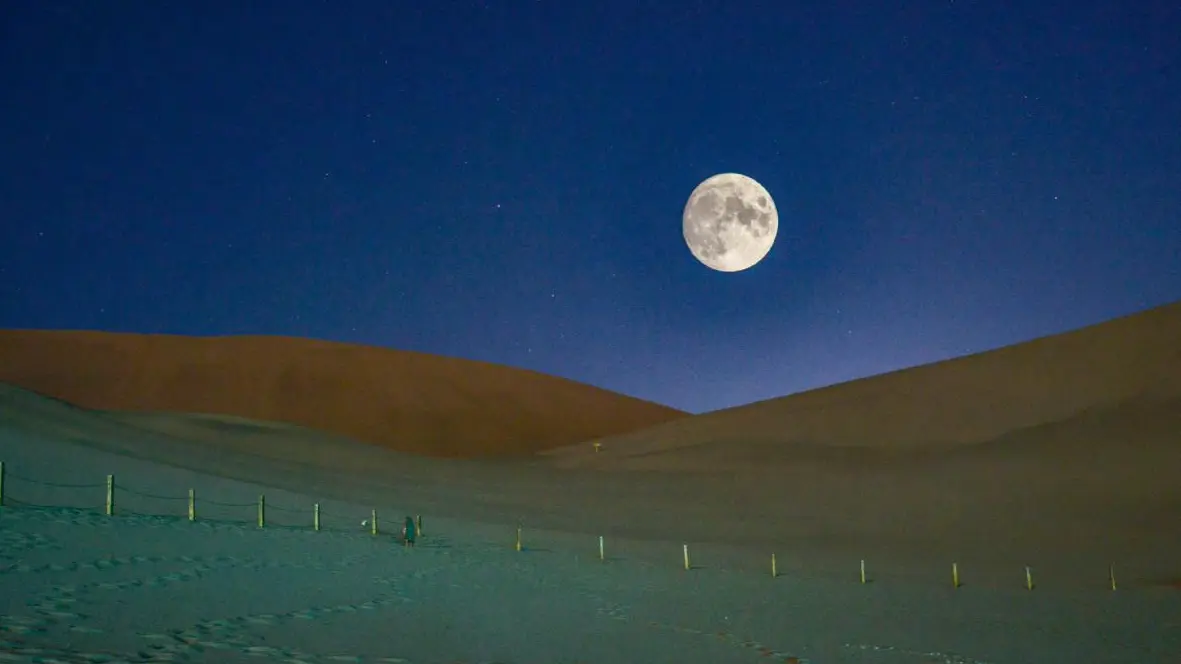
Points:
14	542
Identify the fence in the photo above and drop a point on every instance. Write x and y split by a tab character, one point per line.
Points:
314	516
111	504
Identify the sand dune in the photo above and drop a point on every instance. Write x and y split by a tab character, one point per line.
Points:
1065	448
1061	454
1062	449
405	401
968	400
78	586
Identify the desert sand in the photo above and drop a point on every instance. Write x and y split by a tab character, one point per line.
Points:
1062	451
147	584
409	402
1060	455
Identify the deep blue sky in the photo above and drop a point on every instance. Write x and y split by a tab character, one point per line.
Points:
503	180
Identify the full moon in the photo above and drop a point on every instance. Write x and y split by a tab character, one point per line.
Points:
730	222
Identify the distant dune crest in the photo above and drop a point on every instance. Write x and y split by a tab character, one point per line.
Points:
447	407
1063	449
409	402
1130	367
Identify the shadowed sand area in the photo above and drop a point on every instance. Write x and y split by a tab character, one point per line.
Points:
78	586
1061	454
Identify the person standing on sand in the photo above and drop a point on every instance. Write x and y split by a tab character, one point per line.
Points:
409	532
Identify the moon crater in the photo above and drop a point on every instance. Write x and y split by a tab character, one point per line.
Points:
730	222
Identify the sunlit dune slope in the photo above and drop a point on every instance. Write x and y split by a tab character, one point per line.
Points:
409	402
1130	365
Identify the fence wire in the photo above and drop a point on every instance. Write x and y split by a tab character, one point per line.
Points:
9	475
198	503
120	487
17	502
124	511
206	501
322	518
289	510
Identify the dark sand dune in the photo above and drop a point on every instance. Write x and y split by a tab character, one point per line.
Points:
409	402
1062	453
1065	450
972	399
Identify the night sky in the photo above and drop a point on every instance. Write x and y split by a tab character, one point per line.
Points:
504	180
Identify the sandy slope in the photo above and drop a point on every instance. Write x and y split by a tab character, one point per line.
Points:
1066	459
1085	479
993	507
77	586
971	399
1061	451
406	401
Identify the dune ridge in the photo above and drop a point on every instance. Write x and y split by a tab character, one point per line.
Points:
962	401
1063	449
405	401
81	586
